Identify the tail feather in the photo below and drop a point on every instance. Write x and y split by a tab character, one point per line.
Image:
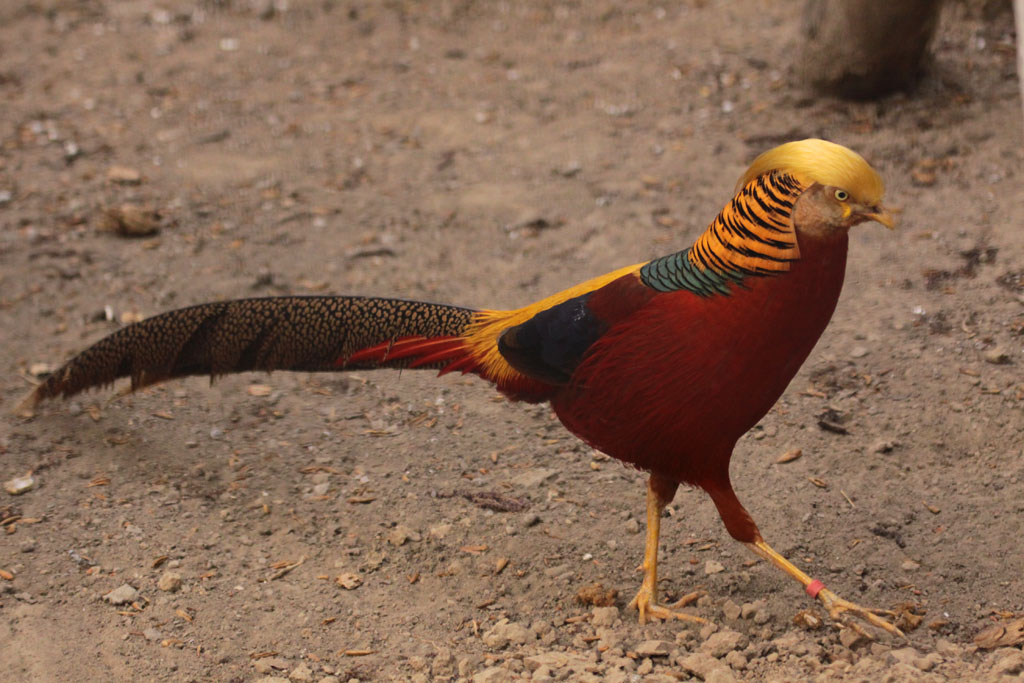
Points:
309	334
418	351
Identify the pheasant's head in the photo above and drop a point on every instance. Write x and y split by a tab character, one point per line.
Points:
842	188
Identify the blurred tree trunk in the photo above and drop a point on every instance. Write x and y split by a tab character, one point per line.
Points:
866	48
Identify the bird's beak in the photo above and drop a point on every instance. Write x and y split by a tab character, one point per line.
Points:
879	214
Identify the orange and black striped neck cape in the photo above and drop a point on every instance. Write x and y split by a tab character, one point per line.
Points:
752	236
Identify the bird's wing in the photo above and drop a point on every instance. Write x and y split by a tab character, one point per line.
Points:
513	377
550	345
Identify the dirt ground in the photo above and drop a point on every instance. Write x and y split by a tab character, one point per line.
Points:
386	526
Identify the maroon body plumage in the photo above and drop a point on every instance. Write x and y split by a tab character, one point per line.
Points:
672	387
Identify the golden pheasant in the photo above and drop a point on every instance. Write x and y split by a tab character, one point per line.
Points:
663	364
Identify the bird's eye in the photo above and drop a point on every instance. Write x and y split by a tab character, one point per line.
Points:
842	195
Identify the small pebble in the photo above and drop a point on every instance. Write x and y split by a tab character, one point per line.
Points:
494	674
997	355
444	662
20	485
1009	665
736	660
402	534
169	582
439	531
904	655
530	519
750	609
123	175
713	567
122	595
851	638
301	673
928	662
700	664
884	446
605	616
505	632
707	630
722	643
654	648
261	666
859	352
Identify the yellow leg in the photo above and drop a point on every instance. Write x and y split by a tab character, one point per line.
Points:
646	600
835	605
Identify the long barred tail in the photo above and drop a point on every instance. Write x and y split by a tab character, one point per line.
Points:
302	333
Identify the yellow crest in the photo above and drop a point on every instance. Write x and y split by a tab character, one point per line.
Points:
824	162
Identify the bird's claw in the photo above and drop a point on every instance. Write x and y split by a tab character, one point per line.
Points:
841	610
647	606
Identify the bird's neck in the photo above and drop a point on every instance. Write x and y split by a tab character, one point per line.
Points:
752	236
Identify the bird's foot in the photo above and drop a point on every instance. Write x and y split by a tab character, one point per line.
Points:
841	610
646	604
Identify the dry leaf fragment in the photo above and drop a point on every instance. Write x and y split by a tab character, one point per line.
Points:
1001	635
359	500
597	595
6	575
473	549
789	456
808	619
817	482
349	581
906	617
284	567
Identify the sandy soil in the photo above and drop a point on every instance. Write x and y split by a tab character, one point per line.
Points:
485	154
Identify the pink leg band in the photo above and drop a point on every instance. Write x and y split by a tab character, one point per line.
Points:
814	587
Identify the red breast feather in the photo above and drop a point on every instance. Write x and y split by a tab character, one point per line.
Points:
671	388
